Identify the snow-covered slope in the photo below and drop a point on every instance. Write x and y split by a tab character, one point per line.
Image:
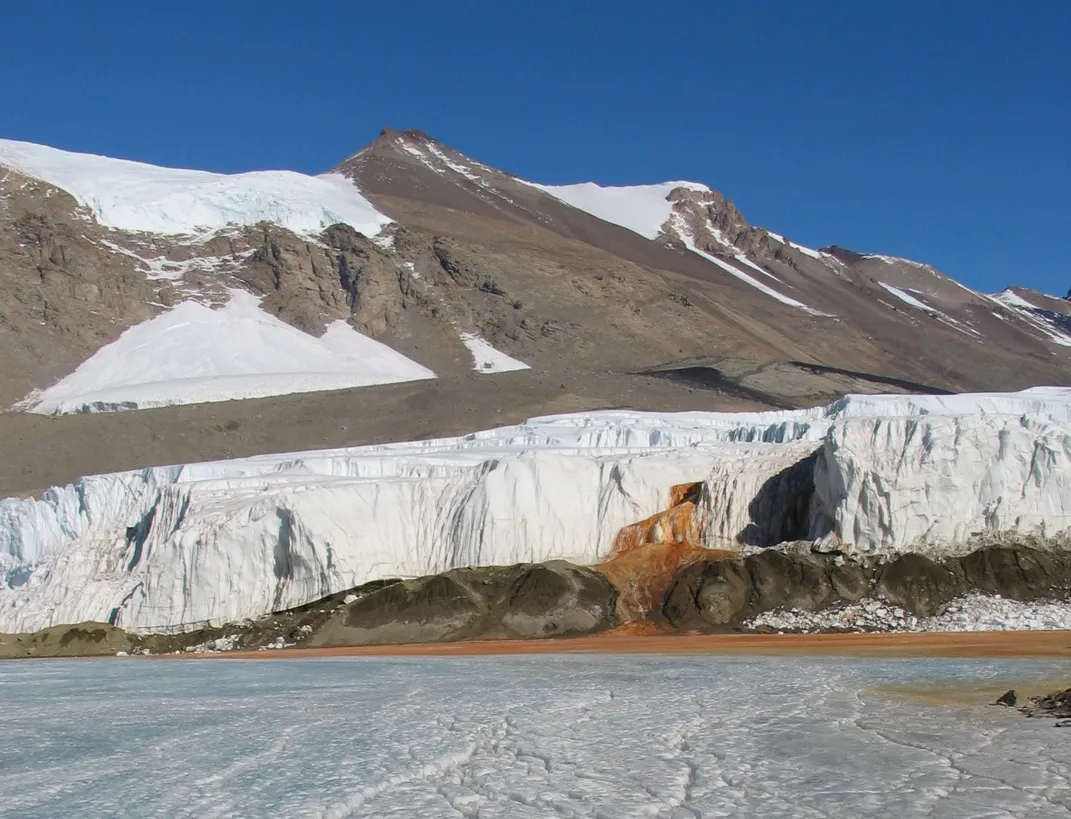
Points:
175	546
681	228
135	196
486	359
648	211
1054	325
193	354
643	209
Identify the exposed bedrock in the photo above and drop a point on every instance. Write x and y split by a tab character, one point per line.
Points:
554	599
559	599
726	592
81	640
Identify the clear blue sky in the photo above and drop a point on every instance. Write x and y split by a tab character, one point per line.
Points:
937	130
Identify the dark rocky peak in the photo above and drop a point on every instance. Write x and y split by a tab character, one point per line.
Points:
405	133
721	212
412	147
393	140
717	225
843	254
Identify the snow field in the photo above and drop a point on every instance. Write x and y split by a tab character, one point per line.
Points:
193	354
135	196
486	359
643	209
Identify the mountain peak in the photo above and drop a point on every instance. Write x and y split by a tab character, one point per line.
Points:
388	135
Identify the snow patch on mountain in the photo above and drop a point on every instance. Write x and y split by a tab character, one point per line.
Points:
160	267
172	547
193	354
907	298
1013	299
913	301
880	257
1053	326
486	359
136	196
457	167
643	209
806	251
688	239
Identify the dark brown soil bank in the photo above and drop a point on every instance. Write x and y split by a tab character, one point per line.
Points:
725	593
557	600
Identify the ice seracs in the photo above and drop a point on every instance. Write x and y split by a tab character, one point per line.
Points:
193	354
174	547
135	196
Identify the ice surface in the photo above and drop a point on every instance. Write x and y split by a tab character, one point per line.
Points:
175	546
486	359
193	354
895	483
643	209
609	737
139	197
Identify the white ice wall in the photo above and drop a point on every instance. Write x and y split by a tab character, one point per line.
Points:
891	484
235	539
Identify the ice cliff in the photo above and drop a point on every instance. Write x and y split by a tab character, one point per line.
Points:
171	547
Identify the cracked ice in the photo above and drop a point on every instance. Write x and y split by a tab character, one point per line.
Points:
571	736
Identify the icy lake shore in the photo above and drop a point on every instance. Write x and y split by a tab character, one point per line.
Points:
578	736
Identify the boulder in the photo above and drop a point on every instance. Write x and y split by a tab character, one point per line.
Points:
81	640
919	585
1057	704
781	580
705	594
1017	572
552	599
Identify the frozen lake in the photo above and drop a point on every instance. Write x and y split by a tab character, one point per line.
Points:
562	736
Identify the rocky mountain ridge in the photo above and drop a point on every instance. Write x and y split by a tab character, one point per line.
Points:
465	250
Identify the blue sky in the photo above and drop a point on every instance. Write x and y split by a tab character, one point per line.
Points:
939	130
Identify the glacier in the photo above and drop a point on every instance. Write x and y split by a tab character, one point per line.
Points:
176	547
136	196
